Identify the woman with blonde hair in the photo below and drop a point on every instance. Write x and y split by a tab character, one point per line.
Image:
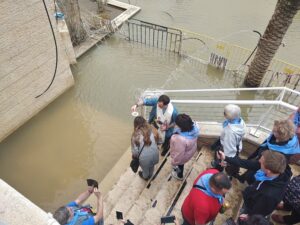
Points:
282	139
143	146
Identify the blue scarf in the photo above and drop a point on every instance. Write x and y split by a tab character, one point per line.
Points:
204	182
261	176
291	148
234	121
194	133
297	119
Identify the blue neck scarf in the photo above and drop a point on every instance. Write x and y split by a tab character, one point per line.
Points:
291	148
234	121
297	119
194	133
261	176
204	182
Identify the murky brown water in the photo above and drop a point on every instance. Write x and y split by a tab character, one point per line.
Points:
84	132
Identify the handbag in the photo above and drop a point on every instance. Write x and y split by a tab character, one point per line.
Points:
135	162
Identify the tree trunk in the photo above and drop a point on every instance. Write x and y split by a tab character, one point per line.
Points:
271	40
71	10
100	4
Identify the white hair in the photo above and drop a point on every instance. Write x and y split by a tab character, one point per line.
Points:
232	111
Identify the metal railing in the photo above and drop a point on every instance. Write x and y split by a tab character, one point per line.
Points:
211	51
154	35
259	106
229	56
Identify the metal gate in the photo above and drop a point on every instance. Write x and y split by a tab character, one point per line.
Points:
154	35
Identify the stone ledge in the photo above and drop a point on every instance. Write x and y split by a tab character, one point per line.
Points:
16	209
130	10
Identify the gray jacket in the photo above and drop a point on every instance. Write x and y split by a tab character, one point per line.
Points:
231	137
149	156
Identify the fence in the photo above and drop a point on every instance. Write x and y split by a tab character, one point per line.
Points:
154	35
237	59
259	106
211	51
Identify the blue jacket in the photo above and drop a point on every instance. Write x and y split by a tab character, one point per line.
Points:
153	102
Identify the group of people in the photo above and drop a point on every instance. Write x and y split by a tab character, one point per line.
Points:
268	173
177	134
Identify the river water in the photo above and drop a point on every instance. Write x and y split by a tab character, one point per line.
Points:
85	131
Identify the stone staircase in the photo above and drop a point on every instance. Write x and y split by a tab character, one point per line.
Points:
144	203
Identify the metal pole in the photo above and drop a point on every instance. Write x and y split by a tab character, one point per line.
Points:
128	30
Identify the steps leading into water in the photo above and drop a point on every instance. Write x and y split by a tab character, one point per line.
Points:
144	203
135	186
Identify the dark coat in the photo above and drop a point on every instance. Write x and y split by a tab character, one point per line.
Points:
292	194
262	197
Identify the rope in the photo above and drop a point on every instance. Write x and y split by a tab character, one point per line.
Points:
56	51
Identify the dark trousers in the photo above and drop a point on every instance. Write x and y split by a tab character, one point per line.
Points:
165	146
180	171
185	222
293	218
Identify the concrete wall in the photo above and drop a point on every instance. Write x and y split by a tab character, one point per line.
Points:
15	209
27	60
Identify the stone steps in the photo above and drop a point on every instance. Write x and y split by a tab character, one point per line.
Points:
234	196
127	199
144	203
202	164
146	199
132	187
162	200
113	196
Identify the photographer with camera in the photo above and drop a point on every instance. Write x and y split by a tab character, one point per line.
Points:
75	213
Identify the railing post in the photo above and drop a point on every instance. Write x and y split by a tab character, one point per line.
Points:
281	96
143	111
260	122
128	30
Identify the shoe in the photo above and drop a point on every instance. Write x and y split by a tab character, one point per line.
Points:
277	218
214	164
141	176
164	152
240	178
174	174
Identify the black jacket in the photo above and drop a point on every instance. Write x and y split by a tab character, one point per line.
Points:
262	197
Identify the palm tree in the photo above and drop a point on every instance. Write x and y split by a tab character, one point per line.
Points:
71	10
271	40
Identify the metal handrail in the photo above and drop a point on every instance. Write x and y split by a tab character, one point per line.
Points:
225	89
279	101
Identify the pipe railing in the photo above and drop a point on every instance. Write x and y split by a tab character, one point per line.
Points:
281	100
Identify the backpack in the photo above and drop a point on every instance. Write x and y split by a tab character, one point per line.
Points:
80	214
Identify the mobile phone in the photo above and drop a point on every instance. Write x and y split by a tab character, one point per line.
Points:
128	223
92	183
119	215
167	219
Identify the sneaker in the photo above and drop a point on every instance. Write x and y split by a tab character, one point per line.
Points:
141	176
174	174
277	218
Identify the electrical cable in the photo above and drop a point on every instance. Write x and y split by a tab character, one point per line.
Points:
56	51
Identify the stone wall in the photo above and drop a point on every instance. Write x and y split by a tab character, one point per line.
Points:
27	62
16	209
